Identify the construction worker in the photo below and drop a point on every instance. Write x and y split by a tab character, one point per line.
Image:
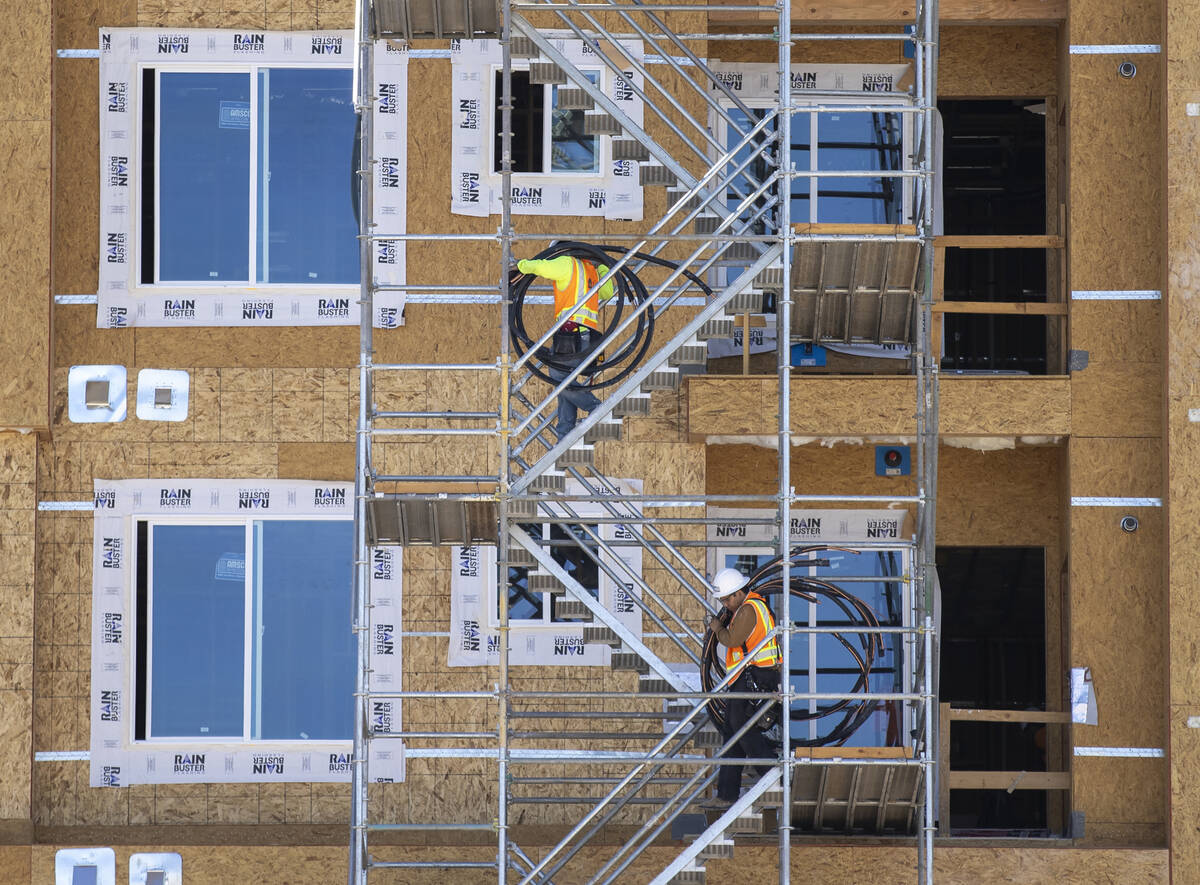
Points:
741	627
576	337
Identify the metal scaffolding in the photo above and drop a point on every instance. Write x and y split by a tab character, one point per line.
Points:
633	776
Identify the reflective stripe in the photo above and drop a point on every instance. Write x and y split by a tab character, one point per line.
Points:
769	655
588	313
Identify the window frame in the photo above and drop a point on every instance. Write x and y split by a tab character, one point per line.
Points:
606	589
143	694
201	287
549	176
815	671
807	100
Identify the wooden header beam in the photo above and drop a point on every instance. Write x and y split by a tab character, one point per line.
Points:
859	12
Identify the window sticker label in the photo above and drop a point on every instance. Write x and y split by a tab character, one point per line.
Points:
234	115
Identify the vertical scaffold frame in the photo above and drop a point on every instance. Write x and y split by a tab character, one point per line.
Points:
715	193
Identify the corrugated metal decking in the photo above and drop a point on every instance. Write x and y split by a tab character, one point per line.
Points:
436	19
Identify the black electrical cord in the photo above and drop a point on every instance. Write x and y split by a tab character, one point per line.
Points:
629	292
867	645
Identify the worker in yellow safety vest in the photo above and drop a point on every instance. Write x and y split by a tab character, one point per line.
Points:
743	625
578	335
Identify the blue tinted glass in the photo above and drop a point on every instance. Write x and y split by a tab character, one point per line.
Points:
204	177
570	149
802	160
854	141
197	630
303	674
306	151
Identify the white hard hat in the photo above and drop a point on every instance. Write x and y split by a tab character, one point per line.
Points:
728	581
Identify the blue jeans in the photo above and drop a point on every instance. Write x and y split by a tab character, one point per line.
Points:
570	401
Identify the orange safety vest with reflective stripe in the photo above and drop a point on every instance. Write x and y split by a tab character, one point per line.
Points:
768	655
565	297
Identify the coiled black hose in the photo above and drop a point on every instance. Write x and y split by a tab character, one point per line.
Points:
860	639
629	292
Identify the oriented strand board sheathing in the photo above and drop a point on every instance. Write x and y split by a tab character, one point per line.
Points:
1002	62
1116	170
1114	398
25	260
1118	619
1115	21
969	406
1118	330
76	191
1111	467
317	461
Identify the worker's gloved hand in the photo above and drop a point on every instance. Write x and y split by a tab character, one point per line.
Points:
608	291
524	266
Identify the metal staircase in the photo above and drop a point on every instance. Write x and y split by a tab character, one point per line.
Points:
627	765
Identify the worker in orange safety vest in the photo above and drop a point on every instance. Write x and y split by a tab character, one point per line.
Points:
578	335
741	627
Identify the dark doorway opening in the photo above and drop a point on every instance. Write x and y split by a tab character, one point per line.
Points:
994	658
994	182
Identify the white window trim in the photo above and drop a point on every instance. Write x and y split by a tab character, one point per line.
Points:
122	301
115	758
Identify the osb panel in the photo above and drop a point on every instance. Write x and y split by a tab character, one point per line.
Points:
1184	566
317	865
1185	804
980	62
25	266
1116	468
16	722
880	406
1129	331
1115	21
317	346
25	32
1124	799
333	461
76	183
16	863
1118	621
1116	221
1113	398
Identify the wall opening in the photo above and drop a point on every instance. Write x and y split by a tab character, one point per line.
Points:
993	658
994	182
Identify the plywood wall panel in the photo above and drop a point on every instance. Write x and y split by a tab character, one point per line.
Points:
1118	620
317	461
1129	331
1115	398
1116	168
1115	21
1123	800
76	184
25	259
1125	468
981	62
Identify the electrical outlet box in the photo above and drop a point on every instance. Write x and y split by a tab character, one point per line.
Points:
893	460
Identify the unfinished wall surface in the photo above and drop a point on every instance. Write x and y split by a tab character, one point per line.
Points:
1181	445
26	183
1114	195
284	404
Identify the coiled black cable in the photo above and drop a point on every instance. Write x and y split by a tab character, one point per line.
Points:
867	644
629	292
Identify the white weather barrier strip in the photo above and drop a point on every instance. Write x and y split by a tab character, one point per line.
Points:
612	190
761	81
1130	752
116	757
544	641
125	54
